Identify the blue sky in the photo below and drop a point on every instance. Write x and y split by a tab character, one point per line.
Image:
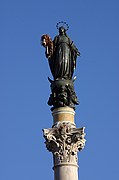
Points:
94	27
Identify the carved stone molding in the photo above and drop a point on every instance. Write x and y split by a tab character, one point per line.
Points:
64	141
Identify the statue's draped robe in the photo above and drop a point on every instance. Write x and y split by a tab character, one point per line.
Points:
63	62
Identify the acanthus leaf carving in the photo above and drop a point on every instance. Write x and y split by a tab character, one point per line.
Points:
64	141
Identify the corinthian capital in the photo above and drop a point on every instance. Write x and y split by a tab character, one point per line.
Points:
64	141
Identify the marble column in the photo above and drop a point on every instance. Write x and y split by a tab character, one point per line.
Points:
64	140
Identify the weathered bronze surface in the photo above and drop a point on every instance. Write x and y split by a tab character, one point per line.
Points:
62	55
63	94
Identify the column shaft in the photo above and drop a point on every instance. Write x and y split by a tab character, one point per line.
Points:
64	140
66	172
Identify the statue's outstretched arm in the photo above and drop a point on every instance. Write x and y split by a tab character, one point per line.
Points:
74	48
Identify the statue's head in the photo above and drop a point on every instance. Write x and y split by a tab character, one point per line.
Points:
62	30
62	27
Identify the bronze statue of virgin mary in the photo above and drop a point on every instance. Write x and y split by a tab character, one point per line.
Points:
65	54
62	55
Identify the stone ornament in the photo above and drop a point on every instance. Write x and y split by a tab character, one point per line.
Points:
64	141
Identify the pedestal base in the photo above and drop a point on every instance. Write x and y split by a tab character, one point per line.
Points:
63	114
